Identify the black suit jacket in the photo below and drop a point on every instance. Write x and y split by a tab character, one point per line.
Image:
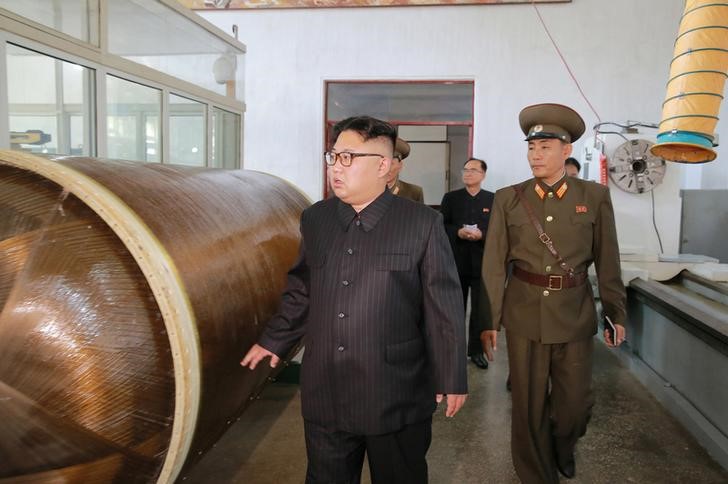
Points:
459	207
377	299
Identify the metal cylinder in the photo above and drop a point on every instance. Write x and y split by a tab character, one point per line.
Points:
128	294
695	89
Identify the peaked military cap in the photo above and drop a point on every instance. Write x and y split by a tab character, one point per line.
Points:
401	149
550	120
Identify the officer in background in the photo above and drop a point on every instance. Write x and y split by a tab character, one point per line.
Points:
466	213
550	228
572	166
397	186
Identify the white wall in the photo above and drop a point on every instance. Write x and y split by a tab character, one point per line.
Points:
619	51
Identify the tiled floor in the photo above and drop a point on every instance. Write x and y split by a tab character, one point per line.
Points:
631	438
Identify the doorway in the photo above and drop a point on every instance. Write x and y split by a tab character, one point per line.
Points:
435	117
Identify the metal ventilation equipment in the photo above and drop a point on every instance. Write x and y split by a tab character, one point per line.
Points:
634	169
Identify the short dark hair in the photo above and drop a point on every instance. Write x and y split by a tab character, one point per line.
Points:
573	161
483	164
367	127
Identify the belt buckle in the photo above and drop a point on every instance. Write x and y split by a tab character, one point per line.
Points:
560	285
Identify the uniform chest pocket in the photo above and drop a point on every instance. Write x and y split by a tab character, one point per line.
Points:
521	230
582	228
392	262
518	221
583	219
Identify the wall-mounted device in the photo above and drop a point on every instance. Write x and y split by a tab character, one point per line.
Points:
593	161
634	169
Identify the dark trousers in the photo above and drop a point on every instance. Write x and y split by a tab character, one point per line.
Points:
547	423
474	325
336	457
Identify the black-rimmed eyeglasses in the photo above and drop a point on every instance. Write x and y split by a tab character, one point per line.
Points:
345	157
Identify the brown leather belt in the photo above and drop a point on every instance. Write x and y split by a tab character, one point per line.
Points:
552	282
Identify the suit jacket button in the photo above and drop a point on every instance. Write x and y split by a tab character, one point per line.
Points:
549	218
548	268
349	251
340	348
341	315
346	283
545	293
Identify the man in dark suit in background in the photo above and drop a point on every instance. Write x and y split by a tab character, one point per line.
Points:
466	213
375	296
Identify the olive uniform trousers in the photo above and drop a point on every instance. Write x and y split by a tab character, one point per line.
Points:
549	414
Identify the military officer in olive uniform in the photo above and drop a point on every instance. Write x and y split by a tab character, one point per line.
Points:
397	186
546	303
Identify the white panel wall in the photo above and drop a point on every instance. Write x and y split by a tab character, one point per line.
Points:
619	51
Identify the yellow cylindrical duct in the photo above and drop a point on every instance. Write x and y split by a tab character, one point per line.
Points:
695	88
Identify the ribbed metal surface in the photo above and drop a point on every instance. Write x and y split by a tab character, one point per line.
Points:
128	294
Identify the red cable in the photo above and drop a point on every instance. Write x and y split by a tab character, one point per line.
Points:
566	64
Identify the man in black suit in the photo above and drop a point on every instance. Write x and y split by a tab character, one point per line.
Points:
375	295
466	213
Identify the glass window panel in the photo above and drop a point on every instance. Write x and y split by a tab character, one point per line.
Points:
50	103
187	131
74	89
77	135
152	137
147	32
410	101
77	18
133	120
225	139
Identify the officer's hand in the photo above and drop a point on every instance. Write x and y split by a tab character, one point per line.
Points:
621	336
488	339
454	403
257	353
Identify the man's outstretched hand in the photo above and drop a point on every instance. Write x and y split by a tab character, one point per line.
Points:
256	354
